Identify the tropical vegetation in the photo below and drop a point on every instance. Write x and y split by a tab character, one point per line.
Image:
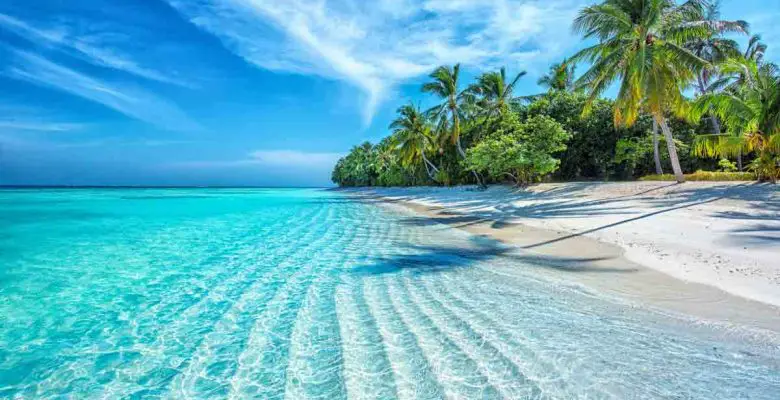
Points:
676	69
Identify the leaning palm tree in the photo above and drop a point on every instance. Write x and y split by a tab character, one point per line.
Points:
641	44
752	115
560	77
412	138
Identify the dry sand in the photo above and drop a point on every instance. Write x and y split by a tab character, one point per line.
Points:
706	249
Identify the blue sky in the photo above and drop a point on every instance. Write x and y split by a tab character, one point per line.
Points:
248	92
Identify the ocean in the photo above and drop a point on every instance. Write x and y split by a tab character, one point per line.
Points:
308	293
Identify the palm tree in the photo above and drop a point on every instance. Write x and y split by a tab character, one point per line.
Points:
491	96
560	76
494	92
641	44
412	138
715	48
752	115
450	112
755	49
445	86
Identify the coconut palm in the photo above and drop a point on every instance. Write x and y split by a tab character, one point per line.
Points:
450	112
445	86
493	92
715	49
560	76
490	96
755	49
413	139
752	115
641	44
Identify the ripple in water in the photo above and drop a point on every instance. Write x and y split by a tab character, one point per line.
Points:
304	294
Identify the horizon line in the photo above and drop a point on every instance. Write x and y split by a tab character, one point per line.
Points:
158	187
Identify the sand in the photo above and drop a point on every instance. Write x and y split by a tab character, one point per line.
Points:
709	249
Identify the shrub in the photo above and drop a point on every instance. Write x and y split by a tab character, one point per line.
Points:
727	166
767	167
705	176
523	151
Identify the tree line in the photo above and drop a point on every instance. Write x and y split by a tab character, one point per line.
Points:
656	52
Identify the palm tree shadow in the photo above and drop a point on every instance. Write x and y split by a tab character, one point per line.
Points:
572	208
480	250
759	235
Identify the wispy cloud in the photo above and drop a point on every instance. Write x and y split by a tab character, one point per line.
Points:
38	126
126	99
90	48
279	158
375	45
26	143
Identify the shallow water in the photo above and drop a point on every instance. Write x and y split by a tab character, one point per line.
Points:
207	293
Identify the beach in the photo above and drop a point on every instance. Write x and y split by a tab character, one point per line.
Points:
711	249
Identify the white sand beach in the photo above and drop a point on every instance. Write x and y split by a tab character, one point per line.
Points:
723	235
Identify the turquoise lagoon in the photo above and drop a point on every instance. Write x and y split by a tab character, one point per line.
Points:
271	294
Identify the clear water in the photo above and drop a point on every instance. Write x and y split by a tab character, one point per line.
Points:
307	294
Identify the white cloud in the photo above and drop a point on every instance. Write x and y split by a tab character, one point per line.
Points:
128	100
90	48
278	158
375	45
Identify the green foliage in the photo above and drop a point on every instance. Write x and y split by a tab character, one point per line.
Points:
522	151
767	167
705	176
655	50
593	138
560	77
750	110
727	166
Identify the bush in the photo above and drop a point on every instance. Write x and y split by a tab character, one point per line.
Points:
521	150
767	167
727	166
705	176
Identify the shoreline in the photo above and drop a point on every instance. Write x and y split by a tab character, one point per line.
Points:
609	269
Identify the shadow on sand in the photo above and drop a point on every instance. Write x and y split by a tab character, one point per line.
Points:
440	258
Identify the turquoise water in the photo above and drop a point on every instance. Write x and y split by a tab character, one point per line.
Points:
228	293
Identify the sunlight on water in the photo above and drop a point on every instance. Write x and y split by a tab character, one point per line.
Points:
306	294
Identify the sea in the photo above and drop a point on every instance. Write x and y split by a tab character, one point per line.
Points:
212	293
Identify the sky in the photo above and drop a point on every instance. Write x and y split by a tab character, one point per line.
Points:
249	92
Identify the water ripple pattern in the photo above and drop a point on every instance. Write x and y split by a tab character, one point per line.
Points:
308	294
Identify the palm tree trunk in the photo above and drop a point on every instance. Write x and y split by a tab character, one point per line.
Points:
456	132
456	135
678	174
715	124
739	160
429	167
656	154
